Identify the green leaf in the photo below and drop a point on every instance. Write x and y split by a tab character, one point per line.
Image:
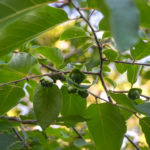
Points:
123	19
144	108
30	26
6	124
73	33
8	75
112	82
22	62
103	128
14	9
110	54
9	142
144	9
132	73
145	124
9	97
123	100
121	67
104	25
73	104
141	50
52	53
47	104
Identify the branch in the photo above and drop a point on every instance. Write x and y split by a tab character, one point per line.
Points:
79	135
130	63
132	142
99	48
15	119
147	97
20	138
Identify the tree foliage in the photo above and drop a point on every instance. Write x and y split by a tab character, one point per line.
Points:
74	83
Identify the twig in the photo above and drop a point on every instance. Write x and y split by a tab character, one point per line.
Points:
91	14
132	142
79	135
99	48
130	63
145	96
15	119
20	138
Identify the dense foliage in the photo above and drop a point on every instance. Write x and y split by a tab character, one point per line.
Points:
74	74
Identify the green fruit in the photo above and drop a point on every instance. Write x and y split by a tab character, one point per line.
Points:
72	89
83	94
134	93
77	76
47	81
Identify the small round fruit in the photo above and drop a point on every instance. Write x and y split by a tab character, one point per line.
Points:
72	89
47	81
134	93
83	94
77	76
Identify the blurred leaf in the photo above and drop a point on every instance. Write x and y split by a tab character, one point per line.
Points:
6	124
147	75
22	62
145	124
72	33
104	25
141	50
103	128
30	26
106	68
47	104
9	142
124	20
9	97
12	10
112	82
110	54
144	9
132	73
144	108
53	54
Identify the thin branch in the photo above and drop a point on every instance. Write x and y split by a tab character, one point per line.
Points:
79	135
132	142
98	45
16	119
112	103
20	138
91	14
145	96
130	63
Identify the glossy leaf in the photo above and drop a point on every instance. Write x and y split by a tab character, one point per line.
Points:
123	19
22	62
73	104
73	33
141	50
12	10
53	54
132	73
30	26
9	97
123	100
145	124
103	128
47	104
